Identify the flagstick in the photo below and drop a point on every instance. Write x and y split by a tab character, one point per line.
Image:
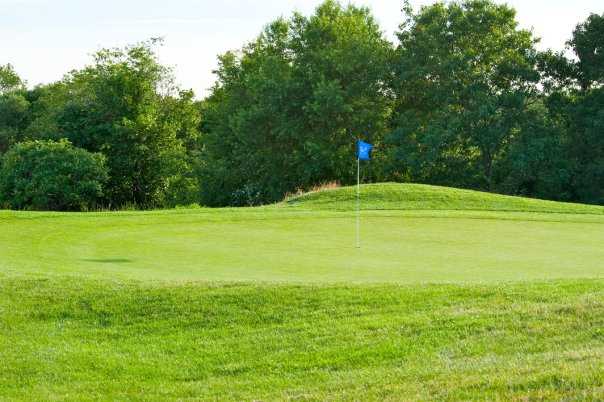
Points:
358	202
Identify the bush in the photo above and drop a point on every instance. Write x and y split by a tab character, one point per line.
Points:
50	175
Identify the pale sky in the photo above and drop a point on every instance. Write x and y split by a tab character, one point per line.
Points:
44	39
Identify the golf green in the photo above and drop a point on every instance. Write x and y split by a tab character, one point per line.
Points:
409	234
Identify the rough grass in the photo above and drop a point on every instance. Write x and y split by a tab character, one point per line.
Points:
67	339
454	295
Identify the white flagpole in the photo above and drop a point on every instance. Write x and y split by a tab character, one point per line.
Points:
358	201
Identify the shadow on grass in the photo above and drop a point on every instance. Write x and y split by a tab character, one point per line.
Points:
108	260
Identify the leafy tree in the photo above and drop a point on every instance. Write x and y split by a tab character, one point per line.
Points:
535	164
586	145
588	45
586	126
464	77
9	79
183	114
14	107
14	118
576	98
286	110
48	175
116	106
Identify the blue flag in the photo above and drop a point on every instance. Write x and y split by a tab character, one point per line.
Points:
364	150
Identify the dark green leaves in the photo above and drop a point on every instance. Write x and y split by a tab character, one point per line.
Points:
285	113
47	175
463	76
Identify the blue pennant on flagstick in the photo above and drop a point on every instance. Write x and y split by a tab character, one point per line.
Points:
364	150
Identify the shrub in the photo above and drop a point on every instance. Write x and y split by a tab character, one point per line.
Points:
50	175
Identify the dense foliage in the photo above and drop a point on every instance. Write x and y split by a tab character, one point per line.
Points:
9	79
463	99
48	175
125	107
464	76
284	113
116	107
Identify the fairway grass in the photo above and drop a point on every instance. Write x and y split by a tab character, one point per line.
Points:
453	295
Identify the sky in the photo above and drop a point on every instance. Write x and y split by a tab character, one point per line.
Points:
44	39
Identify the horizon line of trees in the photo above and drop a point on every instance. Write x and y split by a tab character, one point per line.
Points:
463	99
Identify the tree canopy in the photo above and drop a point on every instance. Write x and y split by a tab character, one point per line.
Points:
285	111
464	77
9	79
463	98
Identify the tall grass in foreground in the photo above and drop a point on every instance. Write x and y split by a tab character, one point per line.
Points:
67	339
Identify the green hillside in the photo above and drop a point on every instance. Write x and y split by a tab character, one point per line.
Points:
454	295
393	196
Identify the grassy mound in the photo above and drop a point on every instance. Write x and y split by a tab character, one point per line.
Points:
64	338
393	196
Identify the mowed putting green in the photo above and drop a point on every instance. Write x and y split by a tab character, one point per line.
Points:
409	234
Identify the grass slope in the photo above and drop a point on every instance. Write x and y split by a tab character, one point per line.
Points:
276	303
393	196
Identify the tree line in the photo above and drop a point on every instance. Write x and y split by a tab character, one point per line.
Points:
463	98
